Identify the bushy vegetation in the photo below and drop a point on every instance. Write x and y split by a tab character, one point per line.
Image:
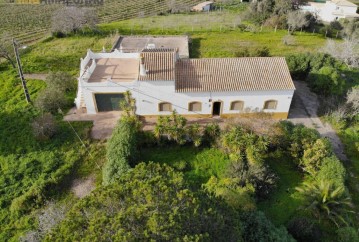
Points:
224	180
321	71
56	96
121	150
156	204
35	161
174	128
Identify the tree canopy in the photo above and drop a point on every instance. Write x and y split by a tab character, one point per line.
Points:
150	202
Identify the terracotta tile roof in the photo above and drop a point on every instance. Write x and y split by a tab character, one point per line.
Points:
233	74
160	66
158	50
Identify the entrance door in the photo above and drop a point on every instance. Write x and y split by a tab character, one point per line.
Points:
216	111
108	102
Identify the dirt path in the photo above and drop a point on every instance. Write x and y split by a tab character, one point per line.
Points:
83	187
103	123
35	76
304	110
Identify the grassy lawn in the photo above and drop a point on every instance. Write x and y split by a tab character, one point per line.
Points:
197	164
216	35
282	205
62	54
285	200
211	38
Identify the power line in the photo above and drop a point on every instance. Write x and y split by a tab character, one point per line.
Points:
23	82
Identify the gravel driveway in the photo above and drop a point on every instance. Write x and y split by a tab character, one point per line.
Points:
304	109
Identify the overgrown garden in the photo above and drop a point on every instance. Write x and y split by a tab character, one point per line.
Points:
237	181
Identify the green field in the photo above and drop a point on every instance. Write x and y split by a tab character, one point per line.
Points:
63	54
31	22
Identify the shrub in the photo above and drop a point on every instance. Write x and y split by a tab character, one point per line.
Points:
318	61
314	155
298	65
235	195
121	150
260	176
303	230
194	132
326	81
256	227
172	127
257	52
61	81
347	234
146	139
149	203
300	138
353	100
51	100
44	127
180	165
333	170
211	132
288	40
261	52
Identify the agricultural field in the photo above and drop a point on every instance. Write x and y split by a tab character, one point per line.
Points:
31	22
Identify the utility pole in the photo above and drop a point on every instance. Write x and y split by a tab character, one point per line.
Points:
23	82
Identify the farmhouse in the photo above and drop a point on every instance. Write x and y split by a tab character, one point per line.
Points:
161	81
332	10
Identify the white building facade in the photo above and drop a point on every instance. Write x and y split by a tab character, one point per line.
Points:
161	82
332	10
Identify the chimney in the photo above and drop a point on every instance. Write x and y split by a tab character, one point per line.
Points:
177	54
143	71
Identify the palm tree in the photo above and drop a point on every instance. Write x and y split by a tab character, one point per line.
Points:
325	200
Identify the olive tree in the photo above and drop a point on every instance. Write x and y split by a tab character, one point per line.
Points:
346	51
297	20
6	49
72	19
353	100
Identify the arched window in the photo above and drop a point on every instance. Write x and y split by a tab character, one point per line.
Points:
270	104
195	106
165	107
237	105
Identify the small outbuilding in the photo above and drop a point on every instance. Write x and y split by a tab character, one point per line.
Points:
203	7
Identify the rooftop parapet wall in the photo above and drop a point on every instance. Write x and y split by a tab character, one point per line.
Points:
88	64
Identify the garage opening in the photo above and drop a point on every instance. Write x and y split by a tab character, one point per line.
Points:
108	102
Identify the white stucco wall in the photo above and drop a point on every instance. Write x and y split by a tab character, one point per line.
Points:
149	94
329	11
